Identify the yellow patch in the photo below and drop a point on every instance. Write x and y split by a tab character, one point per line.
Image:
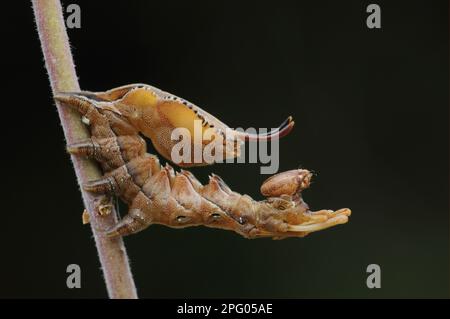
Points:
140	98
179	115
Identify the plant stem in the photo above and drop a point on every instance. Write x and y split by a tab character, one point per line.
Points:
61	71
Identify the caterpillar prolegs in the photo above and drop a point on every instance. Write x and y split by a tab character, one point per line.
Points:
158	194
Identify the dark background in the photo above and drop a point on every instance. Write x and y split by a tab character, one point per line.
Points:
371	111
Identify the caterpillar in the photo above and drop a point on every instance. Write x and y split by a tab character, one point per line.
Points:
158	194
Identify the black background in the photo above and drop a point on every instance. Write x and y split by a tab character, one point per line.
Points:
371	111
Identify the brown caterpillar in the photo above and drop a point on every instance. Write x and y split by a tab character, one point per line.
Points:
159	195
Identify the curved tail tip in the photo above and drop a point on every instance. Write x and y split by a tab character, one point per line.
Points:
284	129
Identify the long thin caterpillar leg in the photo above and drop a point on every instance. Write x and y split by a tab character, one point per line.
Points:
89	109
119	125
110	95
83	105
106	151
107	185
113	151
117	182
127	180
132	223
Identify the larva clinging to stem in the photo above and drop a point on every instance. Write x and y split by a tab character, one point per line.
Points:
160	195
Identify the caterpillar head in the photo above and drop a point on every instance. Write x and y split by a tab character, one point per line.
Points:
285	214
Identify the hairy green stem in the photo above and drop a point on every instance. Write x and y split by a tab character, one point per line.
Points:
61	71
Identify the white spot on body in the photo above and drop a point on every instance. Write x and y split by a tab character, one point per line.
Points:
85	120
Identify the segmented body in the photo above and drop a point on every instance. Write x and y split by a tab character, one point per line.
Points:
160	195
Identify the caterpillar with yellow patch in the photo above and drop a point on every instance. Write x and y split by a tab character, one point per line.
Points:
160	195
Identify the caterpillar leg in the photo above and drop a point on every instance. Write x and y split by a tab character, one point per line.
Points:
106	185
113	151
118	124
89	107
127	180
132	223
98	123
110	95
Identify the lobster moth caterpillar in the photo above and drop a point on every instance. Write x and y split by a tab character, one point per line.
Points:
161	195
